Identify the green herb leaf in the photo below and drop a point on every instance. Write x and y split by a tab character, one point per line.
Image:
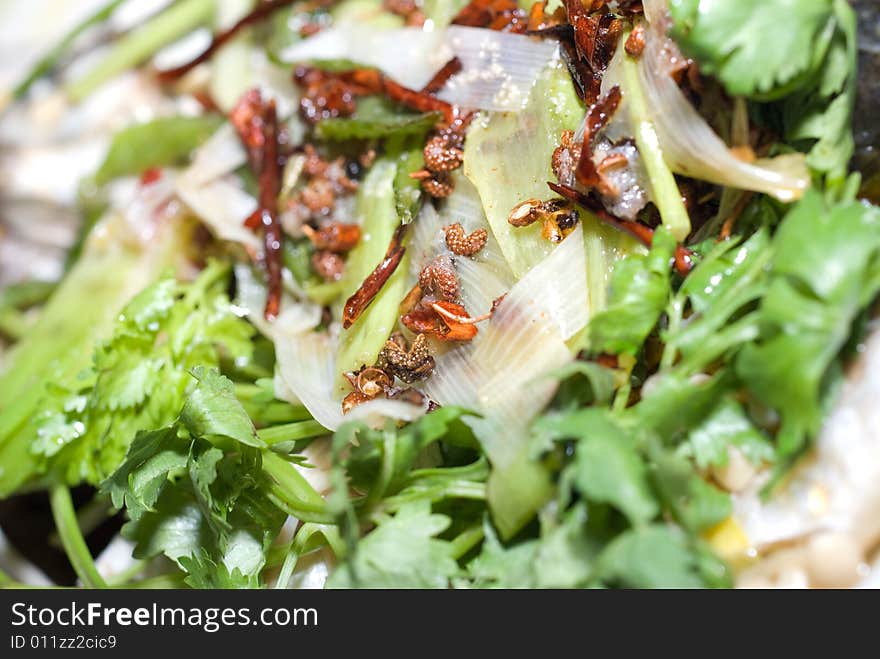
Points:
649	557
212	410
402	552
158	143
741	43
639	293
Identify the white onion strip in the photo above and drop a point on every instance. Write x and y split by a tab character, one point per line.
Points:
498	68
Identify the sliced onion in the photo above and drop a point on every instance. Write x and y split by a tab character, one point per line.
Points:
499	374
221	154
688	143
498	68
223	206
306	364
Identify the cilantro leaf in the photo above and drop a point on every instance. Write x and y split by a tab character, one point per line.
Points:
158	143
139	378
639	292
212	410
727	426
500	567
153	459
649	557
204	573
824	273
402	552
607	466
742	43
694	503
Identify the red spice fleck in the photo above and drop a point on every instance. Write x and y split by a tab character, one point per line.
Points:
150	175
330	266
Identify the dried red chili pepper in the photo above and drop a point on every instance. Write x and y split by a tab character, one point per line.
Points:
635	42
442	76
442	320
419	101
261	11
540	20
500	15
597	117
256	122
371	286
683	258
334	236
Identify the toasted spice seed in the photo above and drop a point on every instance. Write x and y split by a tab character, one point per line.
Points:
438	186
439	279
407	365
441	154
565	158
525	213
318	196
373	381
371	286
328	265
462	244
635	42
408	395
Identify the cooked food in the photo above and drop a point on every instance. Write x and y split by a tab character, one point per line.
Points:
438	293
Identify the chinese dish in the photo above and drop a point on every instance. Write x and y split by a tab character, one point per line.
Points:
438	293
